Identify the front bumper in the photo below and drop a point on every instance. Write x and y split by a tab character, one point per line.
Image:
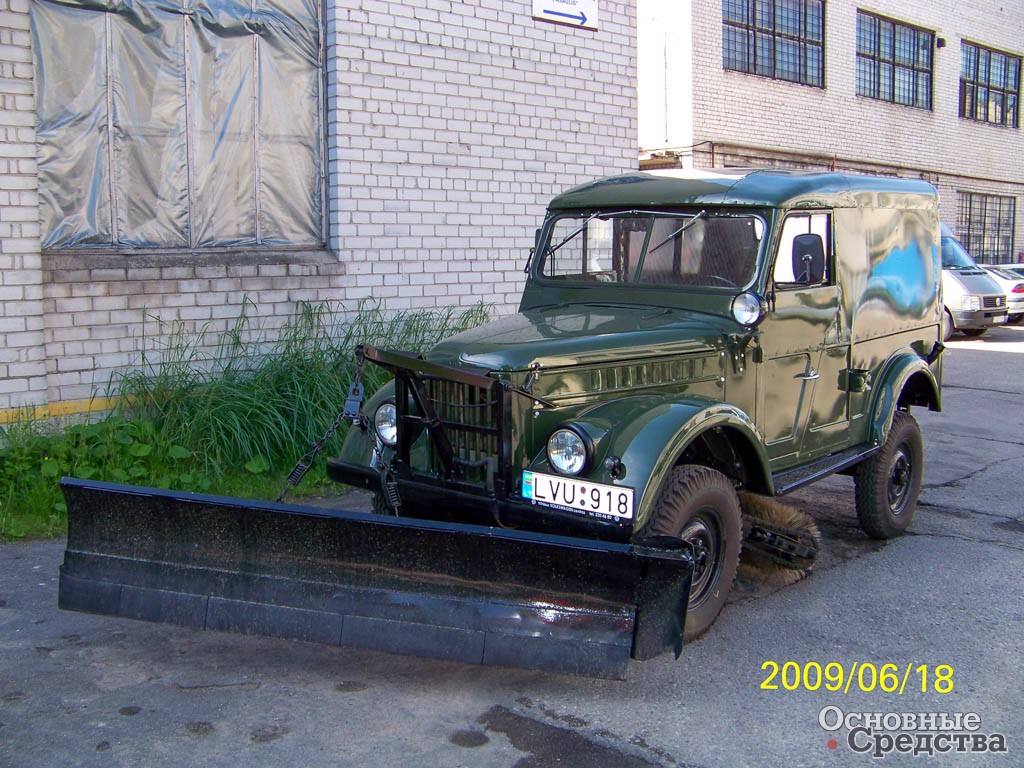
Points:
983	318
434	499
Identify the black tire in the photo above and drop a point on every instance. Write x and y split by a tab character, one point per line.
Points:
974	331
699	504
947	325
888	483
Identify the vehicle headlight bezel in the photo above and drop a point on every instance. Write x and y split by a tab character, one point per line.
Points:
749	309
385	423
570	450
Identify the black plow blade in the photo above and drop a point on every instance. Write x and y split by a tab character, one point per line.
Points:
459	592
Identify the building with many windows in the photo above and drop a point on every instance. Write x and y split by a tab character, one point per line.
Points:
173	164
920	89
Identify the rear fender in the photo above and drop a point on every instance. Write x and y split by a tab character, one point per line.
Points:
650	438
904	380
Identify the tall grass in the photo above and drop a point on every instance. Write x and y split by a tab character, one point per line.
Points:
227	412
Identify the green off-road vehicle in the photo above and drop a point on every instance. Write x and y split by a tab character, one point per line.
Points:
561	488
681	337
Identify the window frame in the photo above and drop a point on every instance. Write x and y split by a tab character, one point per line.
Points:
977	89
875	55
785	253
192	148
757	41
986	224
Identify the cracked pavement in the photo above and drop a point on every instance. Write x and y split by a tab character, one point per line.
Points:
80	690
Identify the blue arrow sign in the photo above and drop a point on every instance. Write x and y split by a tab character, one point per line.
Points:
575	13
581	17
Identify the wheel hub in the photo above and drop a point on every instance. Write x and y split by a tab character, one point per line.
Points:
701	534
899	482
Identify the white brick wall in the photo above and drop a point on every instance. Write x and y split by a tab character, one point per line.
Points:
99	318
768	116
22	355
450	125
469	116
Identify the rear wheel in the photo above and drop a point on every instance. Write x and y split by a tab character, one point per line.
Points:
699	505
889	482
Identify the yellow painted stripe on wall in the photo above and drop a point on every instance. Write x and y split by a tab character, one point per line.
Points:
56	410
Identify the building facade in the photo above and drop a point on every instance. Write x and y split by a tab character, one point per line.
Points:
172	163
927	90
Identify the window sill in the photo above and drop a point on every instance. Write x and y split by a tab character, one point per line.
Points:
157	258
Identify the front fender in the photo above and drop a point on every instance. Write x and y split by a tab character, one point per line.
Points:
650	437
904	371
357	448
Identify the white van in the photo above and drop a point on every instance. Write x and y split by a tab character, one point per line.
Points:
974	302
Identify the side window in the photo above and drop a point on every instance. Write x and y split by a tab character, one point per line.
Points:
805	255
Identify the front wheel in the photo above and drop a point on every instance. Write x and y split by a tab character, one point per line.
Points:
947	325
975	331
699	505
888	483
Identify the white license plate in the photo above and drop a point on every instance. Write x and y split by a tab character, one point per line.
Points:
999	318
579	496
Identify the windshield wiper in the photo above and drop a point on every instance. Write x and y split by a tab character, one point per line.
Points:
590	218
689	223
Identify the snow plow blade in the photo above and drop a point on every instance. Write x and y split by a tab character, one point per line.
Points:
459	592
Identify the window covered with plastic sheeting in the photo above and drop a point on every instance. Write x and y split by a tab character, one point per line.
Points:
195	124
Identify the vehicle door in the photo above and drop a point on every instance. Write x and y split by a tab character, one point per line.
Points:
802	408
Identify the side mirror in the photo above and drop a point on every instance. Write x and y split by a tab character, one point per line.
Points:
808	259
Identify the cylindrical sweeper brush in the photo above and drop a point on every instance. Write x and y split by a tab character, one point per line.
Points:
780	543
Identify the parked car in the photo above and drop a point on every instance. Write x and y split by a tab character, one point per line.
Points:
1013	286
972	299
1017	270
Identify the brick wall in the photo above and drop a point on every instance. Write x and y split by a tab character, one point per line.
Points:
450	125
22	355
101	316
751	119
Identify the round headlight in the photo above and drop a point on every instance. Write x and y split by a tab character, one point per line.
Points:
567	451
385	422
749	309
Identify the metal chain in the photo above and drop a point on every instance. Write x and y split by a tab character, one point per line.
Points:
352	412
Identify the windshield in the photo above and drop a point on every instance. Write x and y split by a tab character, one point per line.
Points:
954	256
654	248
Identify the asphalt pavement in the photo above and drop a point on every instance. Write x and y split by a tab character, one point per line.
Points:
886	649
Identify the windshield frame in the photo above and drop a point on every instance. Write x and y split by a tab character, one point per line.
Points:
760	219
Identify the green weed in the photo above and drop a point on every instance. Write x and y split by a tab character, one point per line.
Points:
224	415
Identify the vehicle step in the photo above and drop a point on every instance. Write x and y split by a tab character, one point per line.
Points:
792	479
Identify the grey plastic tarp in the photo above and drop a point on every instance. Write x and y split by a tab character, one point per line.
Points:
188	125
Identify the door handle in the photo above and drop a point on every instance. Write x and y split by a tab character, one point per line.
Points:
810	376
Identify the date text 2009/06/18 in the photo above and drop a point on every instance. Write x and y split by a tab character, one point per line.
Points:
579	496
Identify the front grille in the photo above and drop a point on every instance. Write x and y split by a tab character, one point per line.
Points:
471	417
452	423
994	302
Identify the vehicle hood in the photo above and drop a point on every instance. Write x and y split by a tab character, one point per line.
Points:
581	335
976	282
